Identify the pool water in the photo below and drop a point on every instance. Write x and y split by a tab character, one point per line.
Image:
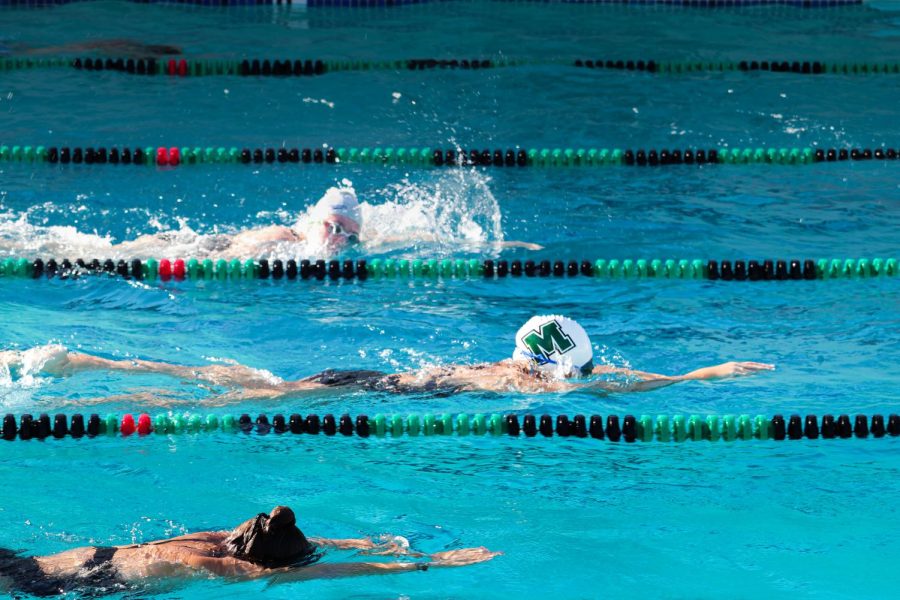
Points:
574	518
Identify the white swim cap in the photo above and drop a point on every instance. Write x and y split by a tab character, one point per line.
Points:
338	201
555	345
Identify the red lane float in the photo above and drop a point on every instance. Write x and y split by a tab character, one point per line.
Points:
144	426
127	425
165	269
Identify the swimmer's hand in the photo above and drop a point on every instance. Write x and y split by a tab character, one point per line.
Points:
390	545
727	371
461	558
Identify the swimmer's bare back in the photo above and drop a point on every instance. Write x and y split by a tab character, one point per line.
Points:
250	243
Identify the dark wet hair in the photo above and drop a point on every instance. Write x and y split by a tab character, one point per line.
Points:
272	540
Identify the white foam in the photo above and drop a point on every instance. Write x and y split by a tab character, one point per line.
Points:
20	373
456	211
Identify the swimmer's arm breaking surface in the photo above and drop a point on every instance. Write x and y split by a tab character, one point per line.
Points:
69	363
525	245
434	238
387	545
344	544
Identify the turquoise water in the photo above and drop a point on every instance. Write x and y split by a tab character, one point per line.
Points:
574	518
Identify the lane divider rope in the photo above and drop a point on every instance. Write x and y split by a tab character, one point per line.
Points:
395	3
186	67
447	268
662	428
428	157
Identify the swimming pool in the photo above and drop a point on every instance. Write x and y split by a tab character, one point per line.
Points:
575	518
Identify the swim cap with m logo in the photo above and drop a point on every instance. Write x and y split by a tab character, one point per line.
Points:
555	344
547	339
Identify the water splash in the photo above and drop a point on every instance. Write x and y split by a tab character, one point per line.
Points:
20	236
457	211
20	373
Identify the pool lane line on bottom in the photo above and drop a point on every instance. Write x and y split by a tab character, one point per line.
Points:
426	157
402	269
388	4
662	428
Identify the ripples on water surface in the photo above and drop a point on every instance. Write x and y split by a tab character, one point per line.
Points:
574	518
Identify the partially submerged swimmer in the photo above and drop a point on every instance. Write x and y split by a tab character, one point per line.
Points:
334	226
553	354
268	545
117	48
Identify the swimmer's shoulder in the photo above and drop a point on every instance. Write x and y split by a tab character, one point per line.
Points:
279	232
268	234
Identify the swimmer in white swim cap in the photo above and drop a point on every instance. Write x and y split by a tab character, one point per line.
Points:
553	354
336	220
331	226
555	345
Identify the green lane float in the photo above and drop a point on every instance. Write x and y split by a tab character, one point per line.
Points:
446	268
663	428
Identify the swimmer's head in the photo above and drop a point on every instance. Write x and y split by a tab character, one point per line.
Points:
270	540
555	345
336	219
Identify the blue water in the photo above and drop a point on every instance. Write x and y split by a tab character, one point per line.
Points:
574	518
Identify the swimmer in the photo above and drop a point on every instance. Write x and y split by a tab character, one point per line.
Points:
115	48
552	354
268	545
334	226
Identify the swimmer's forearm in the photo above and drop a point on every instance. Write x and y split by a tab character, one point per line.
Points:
387	545
338	570
640	385
87	362
652	381
344	544
637	381
727	370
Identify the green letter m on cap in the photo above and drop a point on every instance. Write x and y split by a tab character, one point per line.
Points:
547	339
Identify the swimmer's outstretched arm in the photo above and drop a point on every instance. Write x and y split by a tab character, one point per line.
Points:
69	363
387	545
74	362
645	382
425	237
451	558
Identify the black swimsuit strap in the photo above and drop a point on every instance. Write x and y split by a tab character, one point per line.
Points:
27	576
102	557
